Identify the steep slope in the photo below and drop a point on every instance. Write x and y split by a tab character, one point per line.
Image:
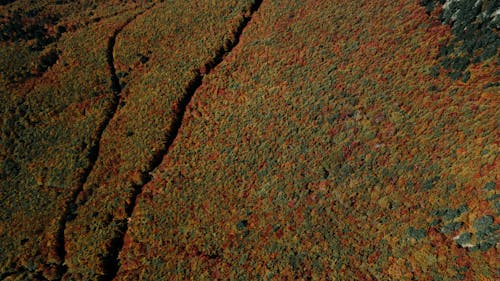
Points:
249	139
325	145
51	123
161	58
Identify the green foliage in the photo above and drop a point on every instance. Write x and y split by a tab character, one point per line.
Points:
451	227
417	233
475	26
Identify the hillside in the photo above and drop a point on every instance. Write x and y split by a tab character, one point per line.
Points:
310	140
